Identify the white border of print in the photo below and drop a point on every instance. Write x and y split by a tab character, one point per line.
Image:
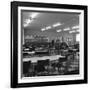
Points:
51	78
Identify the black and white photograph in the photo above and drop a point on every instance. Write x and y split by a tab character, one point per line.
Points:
50	44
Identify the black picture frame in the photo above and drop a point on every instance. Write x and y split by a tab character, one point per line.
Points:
14	44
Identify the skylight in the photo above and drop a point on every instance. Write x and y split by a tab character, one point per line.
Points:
66	29
75	27
43	29
58	30
34	15
30	19
57	24
72	31
48	27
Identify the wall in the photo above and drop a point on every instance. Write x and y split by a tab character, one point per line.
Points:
5	46
51	35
